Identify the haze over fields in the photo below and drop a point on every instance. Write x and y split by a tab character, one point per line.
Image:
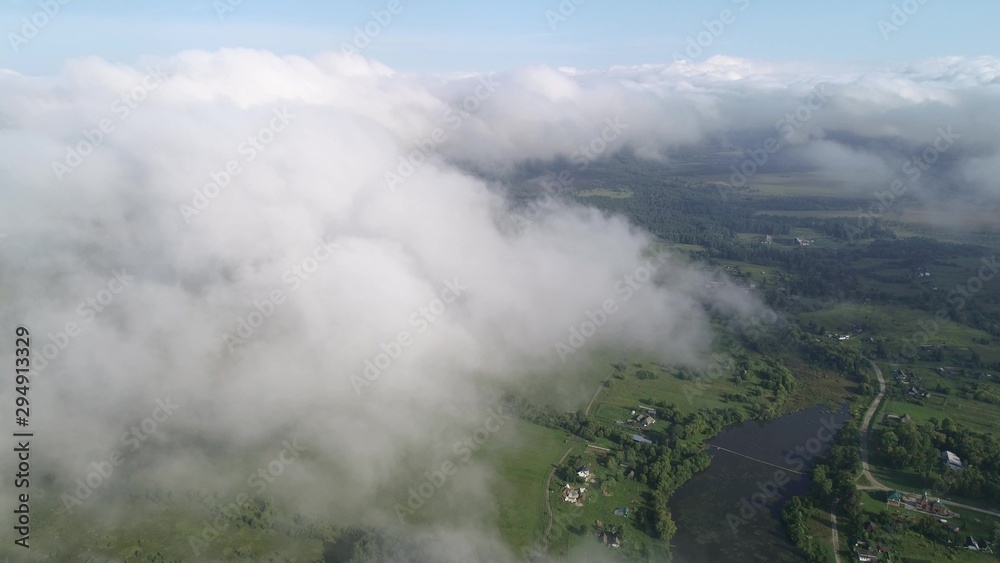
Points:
259	250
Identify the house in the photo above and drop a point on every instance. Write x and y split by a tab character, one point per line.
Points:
951	460
905	419
932	505
622	512
894	498
574	495
768	239
646	420
583	472
865	555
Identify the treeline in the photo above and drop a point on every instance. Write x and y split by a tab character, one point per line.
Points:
673	458
681	210
794	515
834	478
918	447
375	545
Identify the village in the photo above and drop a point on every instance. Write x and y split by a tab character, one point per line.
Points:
582	482
921	503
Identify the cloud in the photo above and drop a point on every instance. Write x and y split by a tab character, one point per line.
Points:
247	194
269	265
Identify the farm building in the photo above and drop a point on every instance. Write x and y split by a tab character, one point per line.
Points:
951	460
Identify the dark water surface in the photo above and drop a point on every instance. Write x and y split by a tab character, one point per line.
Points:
731	511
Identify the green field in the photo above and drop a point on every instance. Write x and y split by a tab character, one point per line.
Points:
898	324
910	545
520	491
977	415
821	529
817	184
620	193
148	526
821	213
617	401
573	521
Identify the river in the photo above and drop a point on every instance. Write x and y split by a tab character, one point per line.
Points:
731	511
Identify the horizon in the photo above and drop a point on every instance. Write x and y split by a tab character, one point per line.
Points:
443	38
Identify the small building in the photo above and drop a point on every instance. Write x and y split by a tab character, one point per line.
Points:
894	498
951	460
641	440
865	555
574	495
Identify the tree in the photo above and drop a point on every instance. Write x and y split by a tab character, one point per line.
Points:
822	484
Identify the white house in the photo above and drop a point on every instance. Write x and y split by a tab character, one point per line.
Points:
951	460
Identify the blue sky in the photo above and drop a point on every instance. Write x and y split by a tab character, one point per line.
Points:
444	36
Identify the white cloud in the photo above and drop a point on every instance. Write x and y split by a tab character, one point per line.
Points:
323	179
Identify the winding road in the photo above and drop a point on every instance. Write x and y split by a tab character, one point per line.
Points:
548	496
548	481
836	534
866	427
586	411
865	471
